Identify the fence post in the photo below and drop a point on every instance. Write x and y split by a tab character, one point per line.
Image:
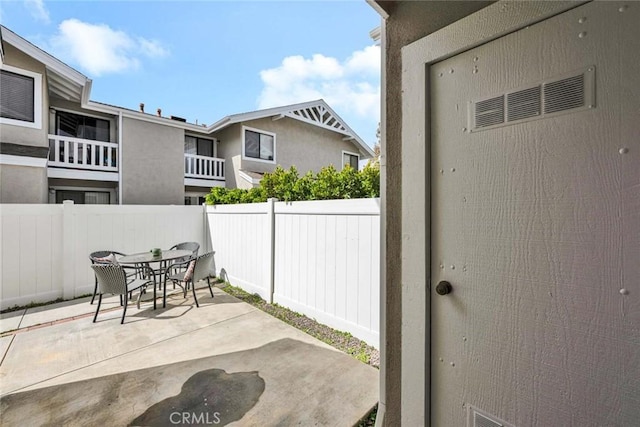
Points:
68	259
271	241
206	239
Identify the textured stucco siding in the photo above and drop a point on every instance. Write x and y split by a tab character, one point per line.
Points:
152	163
230	149
20	134
23	184
307	147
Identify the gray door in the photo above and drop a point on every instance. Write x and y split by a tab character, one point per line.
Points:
535	171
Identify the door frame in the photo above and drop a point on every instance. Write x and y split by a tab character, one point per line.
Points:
417	58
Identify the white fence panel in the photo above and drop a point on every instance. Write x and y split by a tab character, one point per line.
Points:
240	237
30	254
45	248
130	229
327	263
319	258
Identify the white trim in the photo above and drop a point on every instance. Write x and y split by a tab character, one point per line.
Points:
111	191
287	111
120	168
264	132
248	178
10	159
42	56
82	174
111	117
350	153
374	4
37	99
192	182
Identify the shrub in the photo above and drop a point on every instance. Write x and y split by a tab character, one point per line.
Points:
288	185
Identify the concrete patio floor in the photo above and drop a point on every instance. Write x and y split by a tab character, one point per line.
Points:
223	363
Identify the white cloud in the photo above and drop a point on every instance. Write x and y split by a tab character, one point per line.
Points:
351	86
38	10
99	49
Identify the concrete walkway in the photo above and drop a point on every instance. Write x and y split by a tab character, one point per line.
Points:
223	363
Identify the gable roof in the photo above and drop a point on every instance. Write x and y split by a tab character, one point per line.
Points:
317	113
64	81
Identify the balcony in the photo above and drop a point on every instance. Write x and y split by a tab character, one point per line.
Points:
77	158
203	171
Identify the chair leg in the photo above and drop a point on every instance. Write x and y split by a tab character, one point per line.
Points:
142	290
209	283
124	310
95	291
98	308
193	288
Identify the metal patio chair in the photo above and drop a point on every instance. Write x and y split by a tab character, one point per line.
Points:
182	263
101	257
112	279
196	269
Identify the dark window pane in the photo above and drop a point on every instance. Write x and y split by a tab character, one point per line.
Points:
205	147
76	196
77	126
252	144
351	160
16	96
354	162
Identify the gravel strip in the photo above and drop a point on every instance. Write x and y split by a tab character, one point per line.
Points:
341	340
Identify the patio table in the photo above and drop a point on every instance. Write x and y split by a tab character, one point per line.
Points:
147	258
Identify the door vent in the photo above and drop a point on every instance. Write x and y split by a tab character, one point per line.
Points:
523	104
571	93
564	94
490	112
478	418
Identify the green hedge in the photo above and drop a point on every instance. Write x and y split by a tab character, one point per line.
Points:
287	185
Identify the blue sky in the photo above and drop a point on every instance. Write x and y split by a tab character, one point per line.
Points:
203	60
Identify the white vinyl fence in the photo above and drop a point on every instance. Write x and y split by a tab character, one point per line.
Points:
319	258
45	248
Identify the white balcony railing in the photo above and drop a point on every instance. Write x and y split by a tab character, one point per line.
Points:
79	153
203	167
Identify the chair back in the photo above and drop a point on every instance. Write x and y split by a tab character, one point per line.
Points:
95	256
203	267
194	247
111	278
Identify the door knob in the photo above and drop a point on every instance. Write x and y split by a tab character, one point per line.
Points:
444	288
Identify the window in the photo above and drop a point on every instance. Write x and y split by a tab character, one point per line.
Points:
194	200
83	197
199	146
259	145
350	159
77	126
20	97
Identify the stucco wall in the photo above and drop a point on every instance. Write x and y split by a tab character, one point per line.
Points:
229	148
23	184
307	147
152	163
20	134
